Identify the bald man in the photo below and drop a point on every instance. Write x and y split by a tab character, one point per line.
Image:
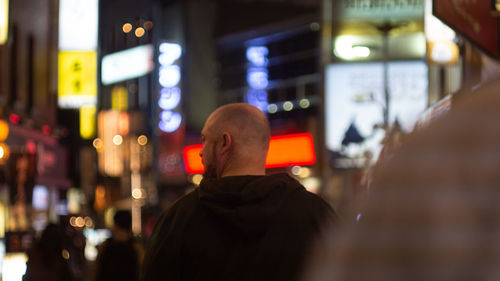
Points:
239	224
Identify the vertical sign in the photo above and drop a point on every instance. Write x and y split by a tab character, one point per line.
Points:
257	77
171	135
169	78
77	53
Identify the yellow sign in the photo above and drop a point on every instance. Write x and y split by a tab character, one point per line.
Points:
4	20
77	79
119	98
88	121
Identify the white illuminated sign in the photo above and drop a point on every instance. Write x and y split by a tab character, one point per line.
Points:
257	77
127	64
78	21
169	77
355	99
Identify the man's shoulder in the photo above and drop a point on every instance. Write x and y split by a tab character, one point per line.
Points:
300	196
184	201
180	207
292	186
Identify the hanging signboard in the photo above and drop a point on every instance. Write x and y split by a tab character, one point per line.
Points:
77	79
473	19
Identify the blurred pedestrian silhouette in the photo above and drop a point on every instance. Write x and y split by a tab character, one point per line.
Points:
48	258
120	256
239	224
433	210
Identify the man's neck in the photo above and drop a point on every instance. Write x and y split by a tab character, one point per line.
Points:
233	174
243	167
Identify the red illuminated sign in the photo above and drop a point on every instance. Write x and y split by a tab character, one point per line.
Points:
285	150
473	19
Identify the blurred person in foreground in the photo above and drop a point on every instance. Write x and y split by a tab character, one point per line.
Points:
119	257
433	210
239	224
48	259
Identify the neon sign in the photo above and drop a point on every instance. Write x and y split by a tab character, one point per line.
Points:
170	94
257	77
284	150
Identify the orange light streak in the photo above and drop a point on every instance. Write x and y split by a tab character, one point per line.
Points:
284	150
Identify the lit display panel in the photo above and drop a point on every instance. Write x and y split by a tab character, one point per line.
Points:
355	103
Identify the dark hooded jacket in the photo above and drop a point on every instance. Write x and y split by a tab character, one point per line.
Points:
237	228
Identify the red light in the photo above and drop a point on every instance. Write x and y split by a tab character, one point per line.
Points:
14	118
46	129
192	159
285	150
31	147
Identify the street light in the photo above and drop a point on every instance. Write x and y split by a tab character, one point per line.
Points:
385	28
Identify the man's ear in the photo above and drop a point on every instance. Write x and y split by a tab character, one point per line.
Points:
227	142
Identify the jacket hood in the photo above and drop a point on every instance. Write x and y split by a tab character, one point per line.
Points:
246	202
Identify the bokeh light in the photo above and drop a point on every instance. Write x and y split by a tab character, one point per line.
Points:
117	139
98	143
148	25
139	32
142	140
127	27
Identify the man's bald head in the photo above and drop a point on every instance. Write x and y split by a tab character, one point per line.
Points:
247	130
247	124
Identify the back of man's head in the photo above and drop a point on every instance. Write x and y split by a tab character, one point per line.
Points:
247	124
123	219
236	141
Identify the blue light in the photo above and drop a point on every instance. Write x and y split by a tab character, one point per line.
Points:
257	98
257	55
169	98
170	121
257	78
170	95
169	52
169	75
